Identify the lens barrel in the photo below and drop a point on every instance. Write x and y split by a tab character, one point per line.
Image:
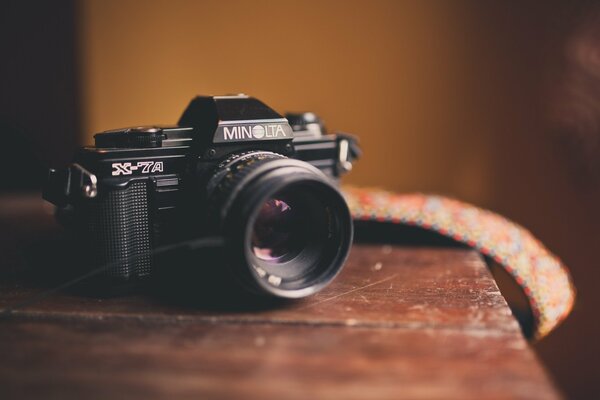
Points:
288	230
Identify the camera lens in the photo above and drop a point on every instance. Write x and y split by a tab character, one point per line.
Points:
278	230
288	230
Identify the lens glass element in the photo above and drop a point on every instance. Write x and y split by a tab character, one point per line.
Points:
278	232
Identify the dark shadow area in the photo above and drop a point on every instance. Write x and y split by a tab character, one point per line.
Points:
183	279
377	232
39	99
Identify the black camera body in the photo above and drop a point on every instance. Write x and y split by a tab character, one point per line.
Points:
232	168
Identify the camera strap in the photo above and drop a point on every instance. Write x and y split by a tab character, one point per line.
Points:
542	277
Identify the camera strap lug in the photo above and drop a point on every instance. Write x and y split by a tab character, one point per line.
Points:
344	162
69	183
347	151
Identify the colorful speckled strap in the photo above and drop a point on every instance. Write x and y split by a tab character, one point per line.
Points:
542	276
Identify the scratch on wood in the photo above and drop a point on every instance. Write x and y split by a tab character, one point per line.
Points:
351	291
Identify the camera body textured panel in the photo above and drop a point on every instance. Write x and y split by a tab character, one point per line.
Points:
120	228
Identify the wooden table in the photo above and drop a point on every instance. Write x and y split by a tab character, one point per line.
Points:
398	322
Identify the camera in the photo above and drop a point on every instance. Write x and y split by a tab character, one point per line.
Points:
232	168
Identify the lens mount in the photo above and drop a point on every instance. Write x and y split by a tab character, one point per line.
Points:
288	230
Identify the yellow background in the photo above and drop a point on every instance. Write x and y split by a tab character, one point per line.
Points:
396	75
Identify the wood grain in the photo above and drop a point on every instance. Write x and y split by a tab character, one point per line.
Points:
398	322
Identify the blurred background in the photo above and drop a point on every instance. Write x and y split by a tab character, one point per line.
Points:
495	103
